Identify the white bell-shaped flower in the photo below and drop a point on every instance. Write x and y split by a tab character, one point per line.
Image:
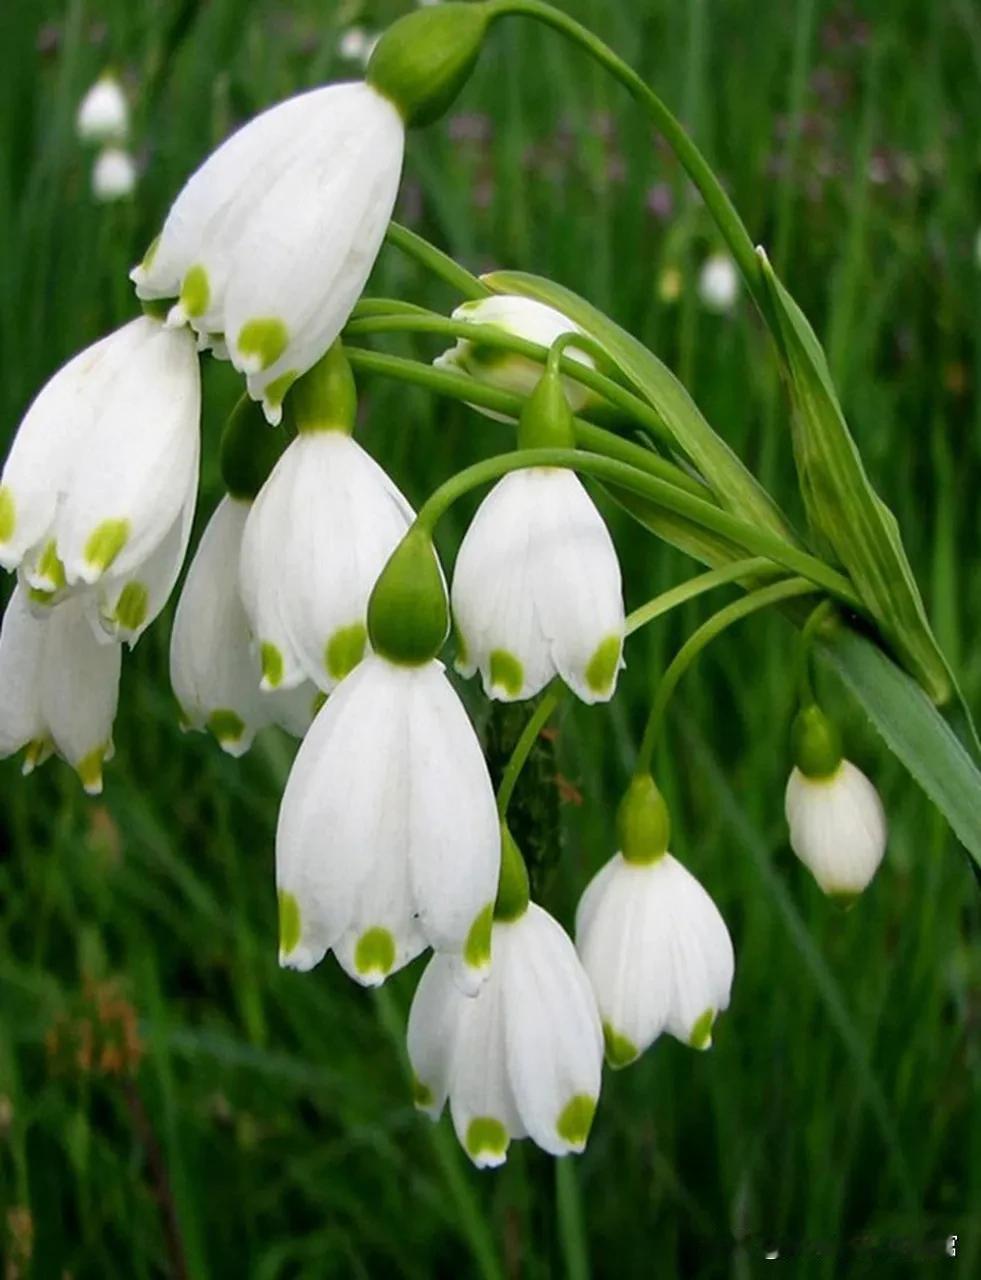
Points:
103	114
271	241
523	1057
505	370
388	838
59	687
537	590
105	462
718	283
837	827
214	666
657	952
113	175
319	534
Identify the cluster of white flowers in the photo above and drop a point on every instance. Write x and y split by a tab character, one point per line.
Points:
103	121
316	601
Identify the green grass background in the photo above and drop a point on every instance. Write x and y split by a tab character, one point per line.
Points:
836	1118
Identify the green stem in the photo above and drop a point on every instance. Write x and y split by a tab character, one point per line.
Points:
776	593
816	618
436	261
522	748
685	591
458	386
719	205
387	307
752	538
487	335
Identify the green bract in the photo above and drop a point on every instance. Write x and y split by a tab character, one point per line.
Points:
408	613
815	743
643	822
326	399
513	890
546	421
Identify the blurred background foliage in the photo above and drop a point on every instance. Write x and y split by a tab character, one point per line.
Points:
165	1090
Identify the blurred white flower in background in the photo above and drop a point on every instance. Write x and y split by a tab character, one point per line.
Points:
357	44
113	175
718	283
103	114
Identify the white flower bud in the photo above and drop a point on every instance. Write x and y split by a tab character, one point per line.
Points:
537	591
718	283
657	952
523	1057
837	827
113	175
271	241
103	115
388	835
521	318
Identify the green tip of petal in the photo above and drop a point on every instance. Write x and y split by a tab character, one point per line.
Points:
506	672
602	668
8	513
462	659
89	770
477	948
345	649
132	606
575	1120
35	754
272	665
50	568
620	1051
375	953
263	340
105	543
701	1032
151	253
289	921
195	291
422	1095
275	393
844	899
486	1140
227	726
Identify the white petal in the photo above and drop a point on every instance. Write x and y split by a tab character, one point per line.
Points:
114	175
837	827
452	828
21	656
103	114
293	709
140	459
431	1034
554	1038
702	957
213	670
79	691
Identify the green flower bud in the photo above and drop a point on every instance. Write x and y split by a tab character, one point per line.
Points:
408	612
546	419
250	448
815	743
643	822
423	61
325	398
512	889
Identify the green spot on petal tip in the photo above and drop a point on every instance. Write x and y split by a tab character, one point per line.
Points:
272	665
575	1120
477	948
8	514
89	770
375	952
620	1051
486	1137
422	1095
263	340
345	649
275	393
227	726
602	668
289	921
132	605
506	672
701	1032
195	291
50	568
105	543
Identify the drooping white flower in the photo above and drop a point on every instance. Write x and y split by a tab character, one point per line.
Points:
319	534
657	952
523	1057
105	462
103	114
388	836
537	591
58	687
271	241
837	827
113	175
214	666
521	318
718	283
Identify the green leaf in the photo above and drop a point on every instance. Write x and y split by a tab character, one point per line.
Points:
842	506
913	729
735	487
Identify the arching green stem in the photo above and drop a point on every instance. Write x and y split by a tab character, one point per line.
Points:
754	539
754	567
436	261
387	307
694	163
776	593
522	748
458	386
817	617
